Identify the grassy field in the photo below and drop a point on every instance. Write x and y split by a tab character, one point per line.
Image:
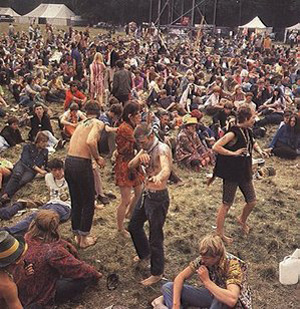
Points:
275	234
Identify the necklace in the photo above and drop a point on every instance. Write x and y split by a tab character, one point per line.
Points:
247	139
63	183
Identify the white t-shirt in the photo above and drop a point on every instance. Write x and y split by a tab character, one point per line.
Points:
59	190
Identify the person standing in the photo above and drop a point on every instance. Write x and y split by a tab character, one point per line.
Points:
79	174
155	158
127	179
234	166
97	69
111	59
77	62
122	83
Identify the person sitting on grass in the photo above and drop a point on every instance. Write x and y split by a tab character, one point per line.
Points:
286	142
59	200
73	95
10	135
190	151
70	120
33	158
58	274
223	277
41	122
12	251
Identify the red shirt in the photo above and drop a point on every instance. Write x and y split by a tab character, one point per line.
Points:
69	97
51	262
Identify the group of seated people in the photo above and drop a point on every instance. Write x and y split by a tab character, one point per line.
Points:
187	111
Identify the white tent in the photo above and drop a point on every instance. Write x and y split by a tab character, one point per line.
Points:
295	27
255	23
8	11
291	29
56	14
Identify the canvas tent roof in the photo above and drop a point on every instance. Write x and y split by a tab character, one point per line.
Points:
295	27
8	11
255	23
51	11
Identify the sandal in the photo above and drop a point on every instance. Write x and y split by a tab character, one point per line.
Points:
112	282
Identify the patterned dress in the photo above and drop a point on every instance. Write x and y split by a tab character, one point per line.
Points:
125	147
98	78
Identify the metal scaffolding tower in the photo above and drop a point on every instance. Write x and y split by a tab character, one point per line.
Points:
171	11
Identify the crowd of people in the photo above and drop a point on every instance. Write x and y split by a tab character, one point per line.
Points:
149	105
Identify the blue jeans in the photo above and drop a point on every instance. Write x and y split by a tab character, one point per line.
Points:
192	297
21	175
6	213
152	206
21	227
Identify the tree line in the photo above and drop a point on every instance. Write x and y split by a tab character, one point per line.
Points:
275	13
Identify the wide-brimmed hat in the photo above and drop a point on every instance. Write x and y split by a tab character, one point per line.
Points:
190	120
11	248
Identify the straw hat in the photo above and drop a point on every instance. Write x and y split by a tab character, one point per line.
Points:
190	120
11	248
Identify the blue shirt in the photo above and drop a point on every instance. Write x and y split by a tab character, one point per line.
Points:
106	119
31	156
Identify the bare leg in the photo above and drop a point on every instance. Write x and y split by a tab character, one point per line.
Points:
244	216
133	201
222	212
121	210
77	239
100	100
98	181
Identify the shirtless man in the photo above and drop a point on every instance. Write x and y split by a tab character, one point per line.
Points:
79	174
12	251
155	158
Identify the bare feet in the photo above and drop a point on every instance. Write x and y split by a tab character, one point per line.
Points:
226	239
124	233
77	240
136	259
244	225
87	241
151	280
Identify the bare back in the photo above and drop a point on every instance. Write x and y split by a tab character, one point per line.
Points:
87	133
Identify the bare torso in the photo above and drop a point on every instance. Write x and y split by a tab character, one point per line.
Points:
78	143
157	155
6	284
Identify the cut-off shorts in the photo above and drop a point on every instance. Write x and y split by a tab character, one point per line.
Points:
229	191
